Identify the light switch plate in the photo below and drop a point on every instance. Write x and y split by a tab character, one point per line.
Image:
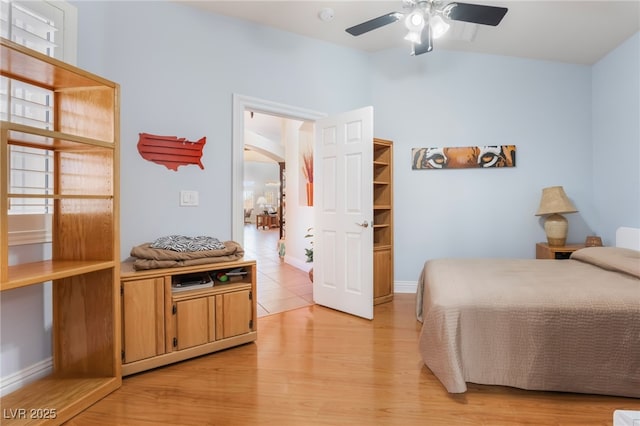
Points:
189	198
626	418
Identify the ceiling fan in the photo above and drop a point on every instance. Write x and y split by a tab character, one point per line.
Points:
427	19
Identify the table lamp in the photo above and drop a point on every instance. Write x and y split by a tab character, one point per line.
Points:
261	201
554	202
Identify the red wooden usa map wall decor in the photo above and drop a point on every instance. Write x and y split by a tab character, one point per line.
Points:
171	151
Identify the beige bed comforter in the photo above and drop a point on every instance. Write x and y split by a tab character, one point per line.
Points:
571	325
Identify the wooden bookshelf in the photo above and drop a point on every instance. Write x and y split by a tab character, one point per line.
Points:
84	266
382	221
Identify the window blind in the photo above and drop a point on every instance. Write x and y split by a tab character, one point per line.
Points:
30	24
31	174
49	27
30	169
248	199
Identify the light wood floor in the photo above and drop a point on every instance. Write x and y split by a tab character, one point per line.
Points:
316	366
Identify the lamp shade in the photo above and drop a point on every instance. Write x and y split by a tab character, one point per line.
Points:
554	200
261	201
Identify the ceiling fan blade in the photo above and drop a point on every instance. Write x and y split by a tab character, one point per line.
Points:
475	13
375	23
426	42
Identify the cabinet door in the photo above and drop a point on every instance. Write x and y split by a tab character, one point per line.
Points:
195	322
236	315
382	273
143	333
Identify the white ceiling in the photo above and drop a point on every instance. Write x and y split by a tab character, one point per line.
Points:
265	125
573	31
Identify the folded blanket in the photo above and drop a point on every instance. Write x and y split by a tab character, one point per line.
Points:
182	243
148	257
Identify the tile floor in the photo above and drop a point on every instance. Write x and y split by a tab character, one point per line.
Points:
281	287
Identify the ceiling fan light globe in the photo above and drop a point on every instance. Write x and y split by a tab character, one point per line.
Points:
414	21
438	26
413	37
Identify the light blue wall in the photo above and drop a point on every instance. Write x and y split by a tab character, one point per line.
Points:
25	320
461	99
616	138
178	68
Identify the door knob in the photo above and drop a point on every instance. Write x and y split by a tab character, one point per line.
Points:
364	224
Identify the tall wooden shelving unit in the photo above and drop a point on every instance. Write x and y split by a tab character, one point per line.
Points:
382	221
84	266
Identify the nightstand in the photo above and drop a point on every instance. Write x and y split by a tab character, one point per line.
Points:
544	251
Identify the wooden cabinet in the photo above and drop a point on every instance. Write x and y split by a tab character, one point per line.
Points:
266	221
161	326
382	221
143	316
84	265
545	251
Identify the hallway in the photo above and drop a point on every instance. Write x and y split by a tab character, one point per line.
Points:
281	287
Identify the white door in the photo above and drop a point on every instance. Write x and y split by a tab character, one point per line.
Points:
343	211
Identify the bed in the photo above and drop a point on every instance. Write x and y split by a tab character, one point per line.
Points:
556	325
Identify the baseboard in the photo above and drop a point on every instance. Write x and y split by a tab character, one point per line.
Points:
305	266
27	375
398	286
405	286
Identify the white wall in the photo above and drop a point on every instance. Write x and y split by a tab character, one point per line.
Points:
299	215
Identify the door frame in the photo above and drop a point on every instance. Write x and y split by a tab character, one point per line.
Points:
240	104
